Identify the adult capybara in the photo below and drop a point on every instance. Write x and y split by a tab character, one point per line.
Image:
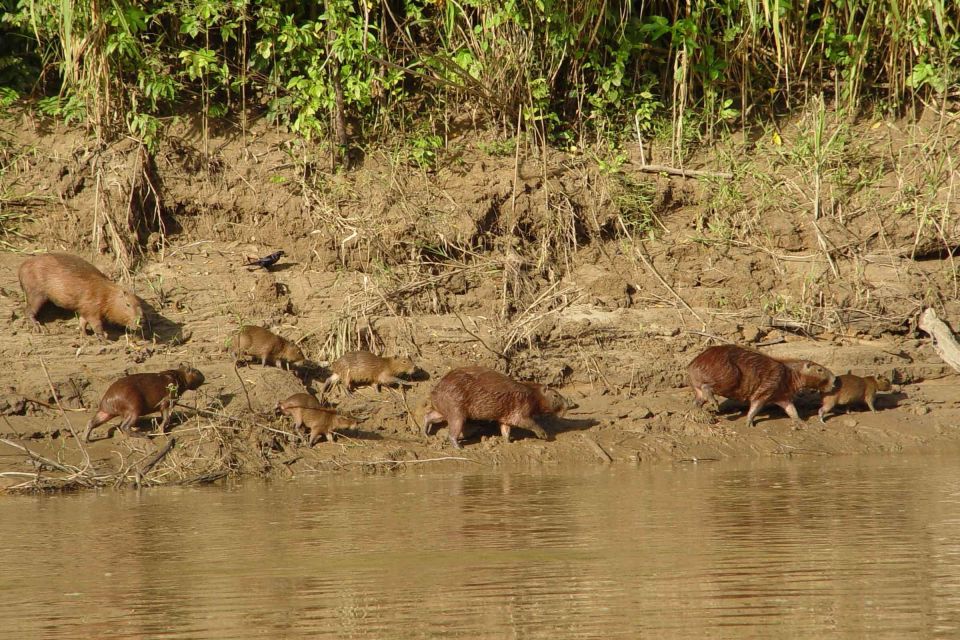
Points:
363	367
143	393
850	389
319	421
750	376
479	393
267	346
74	284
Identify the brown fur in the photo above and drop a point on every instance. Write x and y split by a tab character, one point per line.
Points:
72	283
266	346
143	393
750	376
363	367
319	422
298	400
850	389
479	393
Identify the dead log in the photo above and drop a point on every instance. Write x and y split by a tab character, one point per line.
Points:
944	342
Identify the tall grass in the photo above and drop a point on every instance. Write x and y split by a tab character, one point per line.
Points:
566	69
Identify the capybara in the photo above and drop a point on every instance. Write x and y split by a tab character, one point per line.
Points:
143	393
362	367
298	400
750	376
267	346
479	393
319	422
850	389
74	284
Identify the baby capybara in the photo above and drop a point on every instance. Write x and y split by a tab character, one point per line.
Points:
143	393
298	400
74	284
850	389
363	367
750	376
319	422
479	393
266	346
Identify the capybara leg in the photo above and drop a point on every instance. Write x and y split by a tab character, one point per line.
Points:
95	421
869	400
698	398
330	436
753	411
456	428
332	380
127	426
34	304
792	412
96	324
165	411
828	404
531	425
505	432
348	382
314	436
431	418
709	397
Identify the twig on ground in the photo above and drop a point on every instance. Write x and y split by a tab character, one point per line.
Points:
153	460
684	173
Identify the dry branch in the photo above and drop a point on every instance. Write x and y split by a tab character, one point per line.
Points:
684	173
153	460
944	342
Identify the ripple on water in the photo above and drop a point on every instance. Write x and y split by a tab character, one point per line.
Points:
855	547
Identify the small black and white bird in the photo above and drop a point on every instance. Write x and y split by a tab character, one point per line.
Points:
267	261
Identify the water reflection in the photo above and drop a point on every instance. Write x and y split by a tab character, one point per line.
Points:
852	547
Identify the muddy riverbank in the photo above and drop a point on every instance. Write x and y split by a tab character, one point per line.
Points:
603	285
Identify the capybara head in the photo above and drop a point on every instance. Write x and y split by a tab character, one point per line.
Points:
292	354
815	376
554	401
192	378
125	309
402	364
883	383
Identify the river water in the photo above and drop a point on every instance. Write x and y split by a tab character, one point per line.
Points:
851	547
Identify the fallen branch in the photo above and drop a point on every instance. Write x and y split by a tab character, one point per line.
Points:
153	460
944	342
600	452
684	173
411	461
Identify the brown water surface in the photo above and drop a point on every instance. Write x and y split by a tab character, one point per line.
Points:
855	547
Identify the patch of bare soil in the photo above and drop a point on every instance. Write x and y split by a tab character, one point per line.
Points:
523	267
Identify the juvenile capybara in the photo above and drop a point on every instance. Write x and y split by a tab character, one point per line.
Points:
298	400
143	393
319	422
850	389
74	284
750	376
479	393
267	346
363	367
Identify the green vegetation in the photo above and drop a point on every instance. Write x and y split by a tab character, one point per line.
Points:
569	71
